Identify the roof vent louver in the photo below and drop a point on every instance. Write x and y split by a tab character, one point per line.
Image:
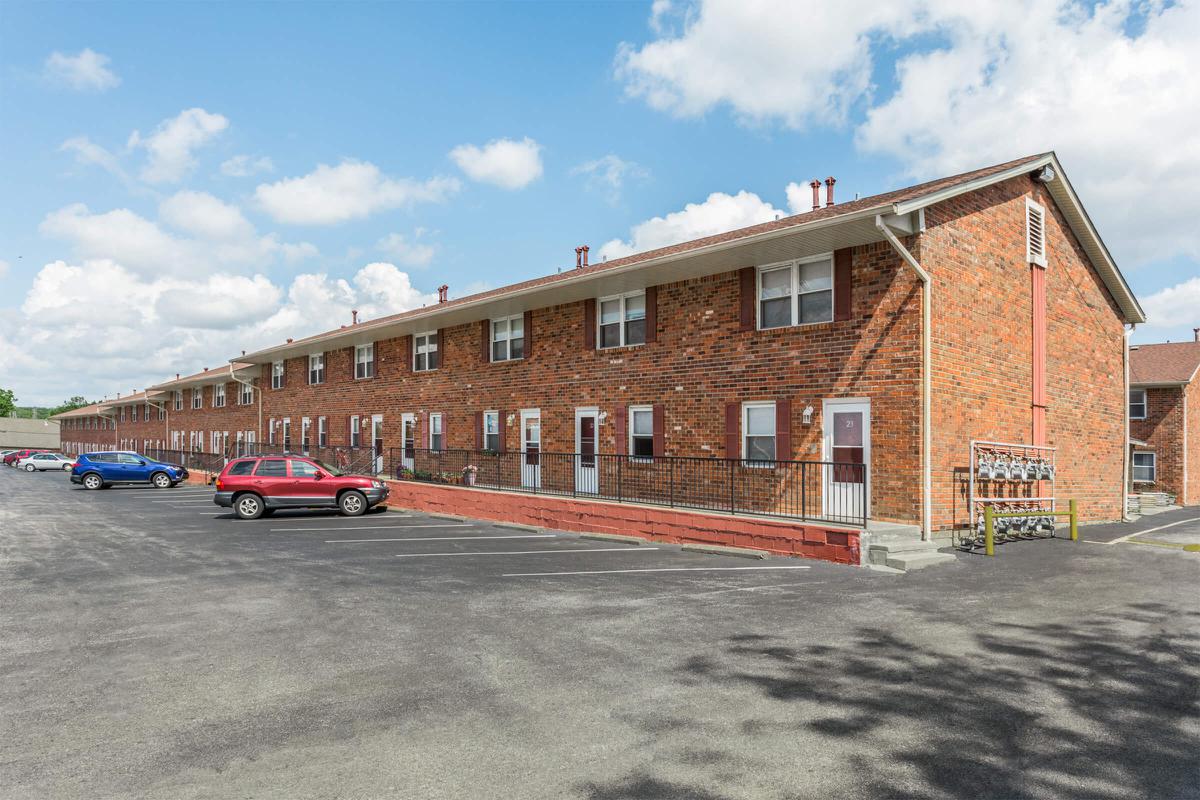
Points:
1035	233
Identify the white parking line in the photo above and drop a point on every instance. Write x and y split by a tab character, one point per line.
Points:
1148	530
372	527
652	569
443	538
528	552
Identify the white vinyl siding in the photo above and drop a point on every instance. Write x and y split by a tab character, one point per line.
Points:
795	293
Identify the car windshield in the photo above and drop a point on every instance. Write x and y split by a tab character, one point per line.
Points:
332	470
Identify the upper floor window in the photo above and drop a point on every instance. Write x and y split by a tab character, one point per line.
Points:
364	361
436	440
219	396
316	368
245	394
145	413
508	338
197	398
491	431
623	320
162	412
641	431
758	432
1144	467
122	413
1137	403
425	351
276	374
797	293
179	400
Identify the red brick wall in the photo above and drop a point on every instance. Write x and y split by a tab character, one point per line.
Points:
1193	445
77	436
231	418
1162	431
974	247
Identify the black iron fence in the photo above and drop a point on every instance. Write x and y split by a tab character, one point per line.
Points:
809	490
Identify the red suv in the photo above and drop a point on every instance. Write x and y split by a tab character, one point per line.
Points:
16	455
254	487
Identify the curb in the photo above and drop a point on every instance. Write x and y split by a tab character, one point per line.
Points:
721	550
613	537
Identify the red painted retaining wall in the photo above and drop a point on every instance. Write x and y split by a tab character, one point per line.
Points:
655	524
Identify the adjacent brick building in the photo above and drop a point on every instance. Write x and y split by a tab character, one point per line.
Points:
1164	419
796	339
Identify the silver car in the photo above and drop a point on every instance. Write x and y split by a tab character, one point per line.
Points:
39	462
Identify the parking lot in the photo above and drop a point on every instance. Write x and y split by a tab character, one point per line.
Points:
154	646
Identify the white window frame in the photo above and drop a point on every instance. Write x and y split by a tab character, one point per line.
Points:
437	428
491	415
286	433
316	375
1033	209
426	350
245	394
630	435
355	431
623	324
507	340
219	395
271	431
179	399
305	434
197	398
745	433
162	412
1143	403
277	372
322	432
1153	466
795	294
364	368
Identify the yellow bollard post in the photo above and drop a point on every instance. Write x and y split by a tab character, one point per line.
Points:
989	537
1074	509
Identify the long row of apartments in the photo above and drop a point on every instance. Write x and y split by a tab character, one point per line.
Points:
946	337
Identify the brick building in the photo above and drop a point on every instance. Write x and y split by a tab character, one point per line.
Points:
888	331
1164	420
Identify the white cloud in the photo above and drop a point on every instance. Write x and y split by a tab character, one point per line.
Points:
221	302
720	212
89	153
406	250
506	163
1175	307
170	146
608	175
244	166
351	190
85	71
119	234
201	214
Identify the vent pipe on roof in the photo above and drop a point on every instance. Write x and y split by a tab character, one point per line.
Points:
353	318
816	187
1196	333
829	182
585	249
578	257
443	290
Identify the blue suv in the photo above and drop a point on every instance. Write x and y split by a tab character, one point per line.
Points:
101	470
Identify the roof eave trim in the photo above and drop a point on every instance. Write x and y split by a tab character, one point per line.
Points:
925	201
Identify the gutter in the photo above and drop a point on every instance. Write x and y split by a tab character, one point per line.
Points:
926	383
1127	456
254	389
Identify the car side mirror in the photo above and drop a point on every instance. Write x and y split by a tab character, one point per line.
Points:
143	463
319	476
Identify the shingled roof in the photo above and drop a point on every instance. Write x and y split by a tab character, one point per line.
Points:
1166	363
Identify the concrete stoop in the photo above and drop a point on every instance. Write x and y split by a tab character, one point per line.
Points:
905	554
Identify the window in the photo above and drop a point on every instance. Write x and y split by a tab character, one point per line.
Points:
491	431
162	412
508	339
322	433
1035	233
623	320
435	432
364	361
355	432
276	374
287	433
179	399
245	394
127	458
302	469
219	396
271	431
241	468
316	368
758	432
1143	467
425	351
1137	403
122	413
799	293
197	398
272	468
641	431
305	428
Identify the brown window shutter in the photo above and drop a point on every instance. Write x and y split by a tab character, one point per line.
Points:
589	324
843	299
445	431
746	299
502	426
651	314
478	430
441	351
620	416
660	431
733	419
783	430
485	340
528	334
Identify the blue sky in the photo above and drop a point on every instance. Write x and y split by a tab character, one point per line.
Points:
621	126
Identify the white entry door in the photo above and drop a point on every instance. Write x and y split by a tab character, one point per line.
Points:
847	429
531	448
587	479
408	440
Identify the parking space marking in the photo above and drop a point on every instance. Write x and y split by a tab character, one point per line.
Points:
1123	539
527	552
444	538
374	527
651	569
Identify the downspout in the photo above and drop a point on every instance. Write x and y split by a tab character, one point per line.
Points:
1125	449
254	389
926	392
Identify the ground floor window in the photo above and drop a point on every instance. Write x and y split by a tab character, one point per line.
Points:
641	431
1144	467
758	432
435	432
491	431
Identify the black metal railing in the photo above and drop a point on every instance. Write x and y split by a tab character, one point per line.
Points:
810	490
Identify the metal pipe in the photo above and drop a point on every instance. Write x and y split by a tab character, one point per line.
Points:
253	389
926	392
1127	456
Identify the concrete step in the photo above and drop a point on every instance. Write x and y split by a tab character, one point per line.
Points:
918	560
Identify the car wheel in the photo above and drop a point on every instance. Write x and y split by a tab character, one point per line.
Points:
92	481
248	506
352	504
66	467
30	468
161	480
